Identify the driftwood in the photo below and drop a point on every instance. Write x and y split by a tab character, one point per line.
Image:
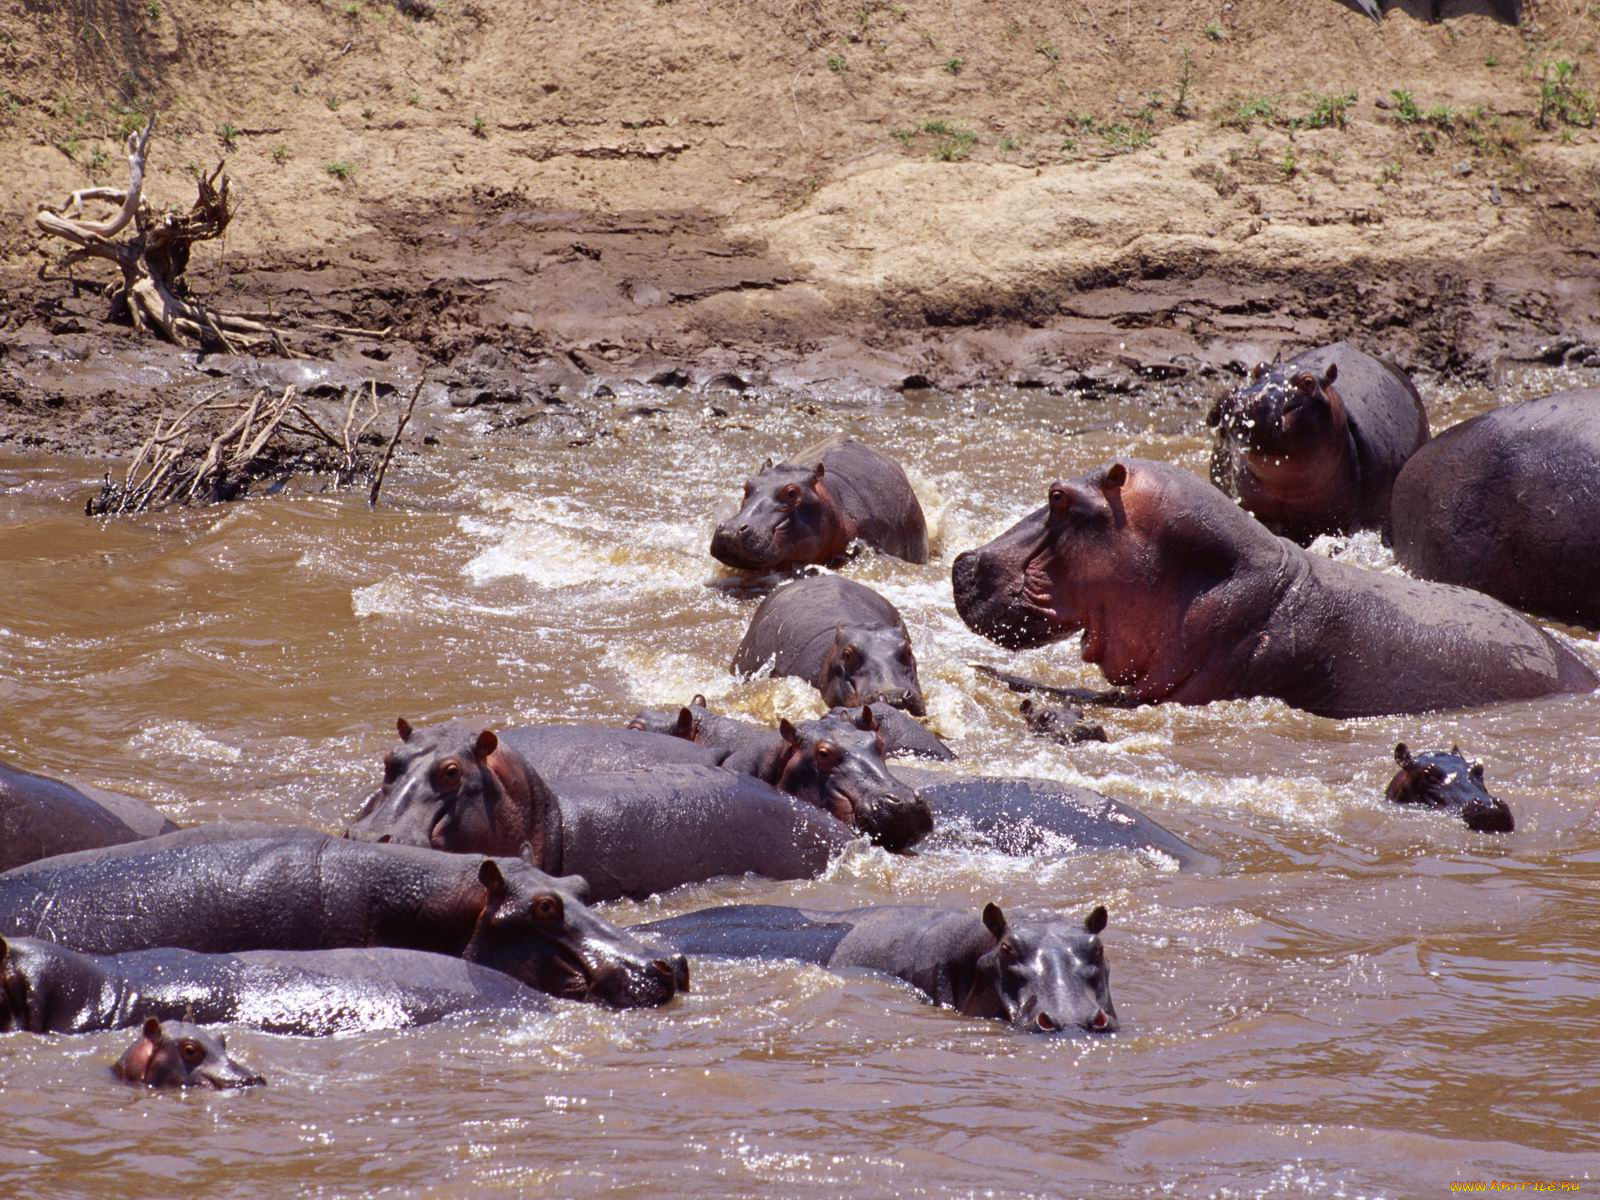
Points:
1021	683
154	254
184	462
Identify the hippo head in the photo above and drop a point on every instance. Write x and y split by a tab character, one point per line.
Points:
787	518
1119	553
540	930
454	787
869	664
1045	975
1006	590
178	1054
684	723
1450	782
838	766
1281	411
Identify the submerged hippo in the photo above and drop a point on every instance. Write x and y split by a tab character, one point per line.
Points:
1060	723
1032	817
844	639
1451	783
46	988
178	1054
1509	503
1182	596
223	889
810	509
1308	457
41	817
902	736
1041	974
635	833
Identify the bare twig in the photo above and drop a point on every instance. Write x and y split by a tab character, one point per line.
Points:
388	451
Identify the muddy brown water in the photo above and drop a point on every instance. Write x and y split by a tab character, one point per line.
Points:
1365	1002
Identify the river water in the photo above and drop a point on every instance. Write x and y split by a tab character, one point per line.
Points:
1365	1002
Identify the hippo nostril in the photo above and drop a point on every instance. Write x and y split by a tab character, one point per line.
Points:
743	529
1045	1023
385	839
1100	1021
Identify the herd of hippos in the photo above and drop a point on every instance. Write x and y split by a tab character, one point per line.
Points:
465	882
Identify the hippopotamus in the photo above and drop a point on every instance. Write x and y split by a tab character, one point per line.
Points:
1450	782
1042	816
1041	974
41	817
456	788
902	736
1508	503
46	988
811	508
1062	724
1308	457
179	1054
222	889
844	639
1183	596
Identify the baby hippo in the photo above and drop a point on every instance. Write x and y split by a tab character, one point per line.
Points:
844	639
178	1054
1450	782
810	509
1063	724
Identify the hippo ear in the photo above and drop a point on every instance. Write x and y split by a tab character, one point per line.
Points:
577	885
489	875
525	853
816	476
994	920
1116	475
1214	416
866	722
766	463
404	728
699	701
188	1014
1402	754
684	727
1455	749
1475	771
486	745
789	732
1095	922
152	1030
1257	371
1330	374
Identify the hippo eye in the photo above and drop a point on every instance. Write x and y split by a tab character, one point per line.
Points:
447	775
191	1051
852	657
790	494
547	907
1009	950
828	755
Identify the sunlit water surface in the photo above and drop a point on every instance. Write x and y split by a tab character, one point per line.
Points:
1366	1001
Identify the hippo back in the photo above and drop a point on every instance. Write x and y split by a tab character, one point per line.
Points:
755	931
1031	816
41	817
554	751
636	833
1509	503
305	992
